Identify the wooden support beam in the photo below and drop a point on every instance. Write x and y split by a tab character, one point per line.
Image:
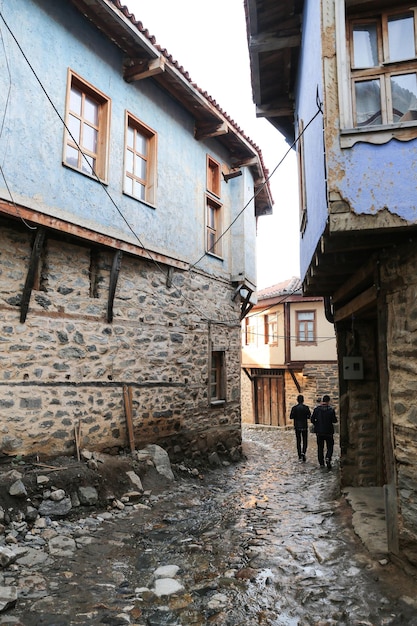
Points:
128	402
271	43
357	305
293	376
205	130
364	276
144	69
275	109
30	276
114	275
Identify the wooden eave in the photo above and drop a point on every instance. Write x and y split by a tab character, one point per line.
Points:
145	59
340	258
274	42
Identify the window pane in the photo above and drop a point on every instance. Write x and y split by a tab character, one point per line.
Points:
129	161
211	217
130	137
140	167
401	37
404	97
211	240
71	156
128	185
368	103
91	111
138	190
89	138
74	128
88	164
308	315
365	45
75	101
141	144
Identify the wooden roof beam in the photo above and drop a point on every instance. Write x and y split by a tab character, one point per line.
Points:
143	68
203	130
272	43
275	109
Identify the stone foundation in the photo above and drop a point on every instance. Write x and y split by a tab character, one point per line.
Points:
66	365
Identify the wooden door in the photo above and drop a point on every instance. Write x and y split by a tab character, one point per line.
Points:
269	400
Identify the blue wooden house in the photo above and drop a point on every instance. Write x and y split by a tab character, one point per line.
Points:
339	79
128	209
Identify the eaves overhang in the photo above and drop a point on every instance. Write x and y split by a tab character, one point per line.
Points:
144	58
274	41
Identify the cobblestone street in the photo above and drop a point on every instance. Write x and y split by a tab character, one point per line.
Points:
267	541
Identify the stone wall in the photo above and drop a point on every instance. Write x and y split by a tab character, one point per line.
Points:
399	279
66	365
361	431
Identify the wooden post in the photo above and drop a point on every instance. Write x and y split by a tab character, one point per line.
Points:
127	395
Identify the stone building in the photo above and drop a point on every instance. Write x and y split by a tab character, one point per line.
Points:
288	348
344	94
120	281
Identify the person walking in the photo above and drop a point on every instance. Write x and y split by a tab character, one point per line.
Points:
323	419
300	413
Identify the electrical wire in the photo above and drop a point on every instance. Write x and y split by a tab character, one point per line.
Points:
136	236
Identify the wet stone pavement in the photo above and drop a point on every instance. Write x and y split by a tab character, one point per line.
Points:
268	541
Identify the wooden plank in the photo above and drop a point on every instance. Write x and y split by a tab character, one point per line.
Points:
86	234
30	276
274	392
358	304
114	275
127	395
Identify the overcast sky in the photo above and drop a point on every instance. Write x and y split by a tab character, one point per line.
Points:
209	40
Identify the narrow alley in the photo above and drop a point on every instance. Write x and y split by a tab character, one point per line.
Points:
268	541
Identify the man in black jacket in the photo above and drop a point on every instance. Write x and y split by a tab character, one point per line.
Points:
323	418
300	413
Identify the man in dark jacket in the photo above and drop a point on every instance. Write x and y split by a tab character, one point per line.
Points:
300	413
323	418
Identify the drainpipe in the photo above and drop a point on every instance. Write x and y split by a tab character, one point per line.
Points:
328	309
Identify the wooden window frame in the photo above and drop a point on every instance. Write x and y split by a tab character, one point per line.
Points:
271	329
101	156
302	177
250	331
213	176
217	380
148	184
213	227
348	77
299	323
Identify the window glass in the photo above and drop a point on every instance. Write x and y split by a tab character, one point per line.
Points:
404	96
368	102
365	45
74	126
140	167
71	156
91	111
401	37
75	101
89	138
88	164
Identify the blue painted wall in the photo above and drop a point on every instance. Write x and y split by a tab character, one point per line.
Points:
55	37
310	84
379	176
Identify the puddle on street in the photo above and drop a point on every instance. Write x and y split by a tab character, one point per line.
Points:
260	543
